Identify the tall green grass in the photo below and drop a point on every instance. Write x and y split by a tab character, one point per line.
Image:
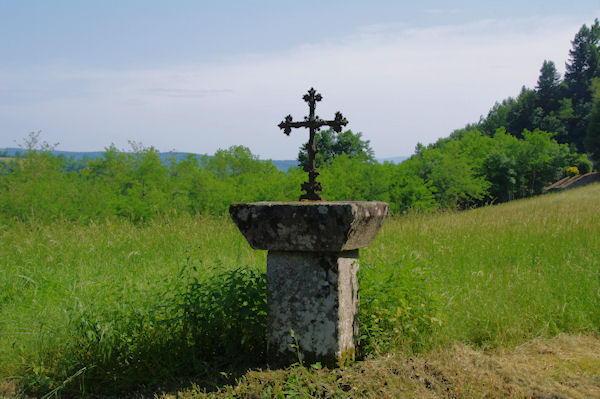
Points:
110	297
113	306
502	274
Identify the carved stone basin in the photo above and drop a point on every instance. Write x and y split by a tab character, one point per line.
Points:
309	226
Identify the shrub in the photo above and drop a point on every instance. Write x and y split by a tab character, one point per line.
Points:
225	317
572	171
191	323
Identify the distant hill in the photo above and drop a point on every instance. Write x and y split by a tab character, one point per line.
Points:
78	156
284	164
281	164
395	160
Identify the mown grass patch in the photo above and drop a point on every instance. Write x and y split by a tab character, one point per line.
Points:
541	368
113	307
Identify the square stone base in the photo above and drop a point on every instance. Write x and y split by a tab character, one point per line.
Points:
315	295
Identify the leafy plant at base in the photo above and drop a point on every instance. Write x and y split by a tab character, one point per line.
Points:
194	325
225	317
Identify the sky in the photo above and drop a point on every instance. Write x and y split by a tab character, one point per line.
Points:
198	76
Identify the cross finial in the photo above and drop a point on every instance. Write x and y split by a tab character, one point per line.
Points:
312	97
314	123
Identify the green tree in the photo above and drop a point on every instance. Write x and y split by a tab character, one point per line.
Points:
592	139
235	174
514	115
520	117
548	87
563	108
235	160
348	178
549	122
497	117
329	145
137	181
39	187
583	66
452	167
408	191
185	178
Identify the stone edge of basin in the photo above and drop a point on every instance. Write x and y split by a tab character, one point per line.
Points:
328	226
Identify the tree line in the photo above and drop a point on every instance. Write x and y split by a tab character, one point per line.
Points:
568	106
465	170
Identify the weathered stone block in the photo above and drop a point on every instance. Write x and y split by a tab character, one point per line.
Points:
314	294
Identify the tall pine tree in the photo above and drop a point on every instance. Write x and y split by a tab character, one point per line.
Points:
583	66
592	139
548	87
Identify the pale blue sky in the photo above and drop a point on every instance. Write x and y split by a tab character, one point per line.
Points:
197	76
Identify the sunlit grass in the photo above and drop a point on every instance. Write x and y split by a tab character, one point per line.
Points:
76	297
504	273
52	275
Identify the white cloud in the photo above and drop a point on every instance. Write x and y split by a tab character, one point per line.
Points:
398	85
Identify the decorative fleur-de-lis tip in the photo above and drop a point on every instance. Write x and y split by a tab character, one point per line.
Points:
339	122
285	125
312	96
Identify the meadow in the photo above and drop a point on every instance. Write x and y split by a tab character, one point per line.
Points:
113	307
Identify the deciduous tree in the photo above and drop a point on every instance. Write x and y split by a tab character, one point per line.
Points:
330	145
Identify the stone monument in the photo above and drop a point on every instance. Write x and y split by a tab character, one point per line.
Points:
312	261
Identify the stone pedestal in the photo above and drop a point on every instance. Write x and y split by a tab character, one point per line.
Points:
311	270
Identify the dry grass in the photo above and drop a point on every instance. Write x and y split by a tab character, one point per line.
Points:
8	389
566	366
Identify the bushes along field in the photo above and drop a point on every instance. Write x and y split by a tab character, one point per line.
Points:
466	170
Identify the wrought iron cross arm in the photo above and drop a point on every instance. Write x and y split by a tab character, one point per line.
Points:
288	124
335	124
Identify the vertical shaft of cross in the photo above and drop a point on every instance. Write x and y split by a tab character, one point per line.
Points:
312	148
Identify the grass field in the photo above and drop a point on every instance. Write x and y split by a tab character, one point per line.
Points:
112	307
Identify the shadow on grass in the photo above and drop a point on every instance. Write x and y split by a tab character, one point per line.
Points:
205	331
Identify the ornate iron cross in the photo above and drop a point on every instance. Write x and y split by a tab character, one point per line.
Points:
312	122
